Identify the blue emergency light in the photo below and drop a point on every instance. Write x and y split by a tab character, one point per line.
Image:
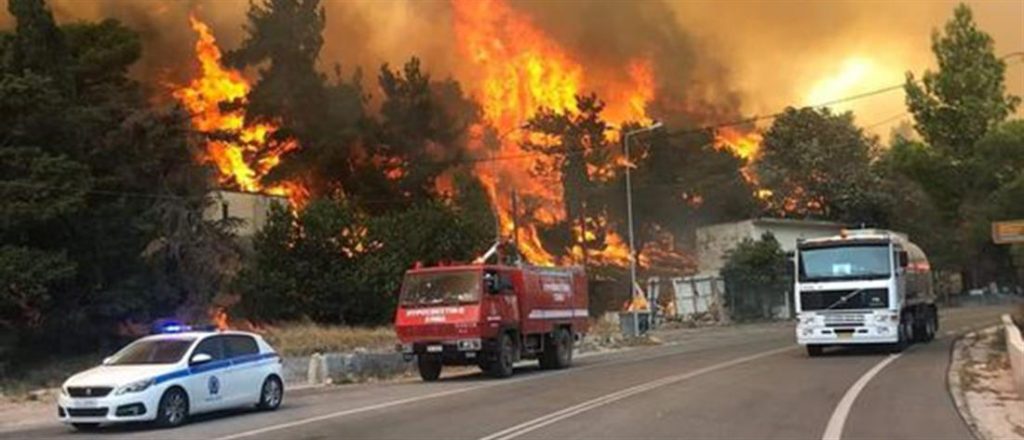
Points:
171	325
163	326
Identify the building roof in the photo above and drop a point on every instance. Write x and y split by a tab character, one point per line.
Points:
797	222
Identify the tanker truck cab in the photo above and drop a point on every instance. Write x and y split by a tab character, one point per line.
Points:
490	316
862	287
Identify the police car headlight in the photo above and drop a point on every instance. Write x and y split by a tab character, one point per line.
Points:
135	387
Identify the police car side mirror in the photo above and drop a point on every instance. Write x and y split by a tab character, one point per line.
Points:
904	259
200	358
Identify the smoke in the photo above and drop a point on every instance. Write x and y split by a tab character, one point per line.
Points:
779	52
712	60
693	85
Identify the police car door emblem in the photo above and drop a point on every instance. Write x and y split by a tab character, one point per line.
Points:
214	385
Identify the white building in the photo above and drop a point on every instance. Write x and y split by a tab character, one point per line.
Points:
715	241
250	208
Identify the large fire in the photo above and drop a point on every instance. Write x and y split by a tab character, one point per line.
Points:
243	151
519	69
514	69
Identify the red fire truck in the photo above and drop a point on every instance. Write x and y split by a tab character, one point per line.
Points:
491	315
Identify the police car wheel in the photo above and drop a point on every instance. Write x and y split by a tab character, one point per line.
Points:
271	394
86	426
173	409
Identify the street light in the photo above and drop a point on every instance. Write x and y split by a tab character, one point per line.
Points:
629	203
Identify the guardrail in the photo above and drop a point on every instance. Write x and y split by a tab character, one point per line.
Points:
1015	349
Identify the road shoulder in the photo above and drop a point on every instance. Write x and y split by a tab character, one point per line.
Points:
982	387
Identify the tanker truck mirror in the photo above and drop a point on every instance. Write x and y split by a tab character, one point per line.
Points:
904	259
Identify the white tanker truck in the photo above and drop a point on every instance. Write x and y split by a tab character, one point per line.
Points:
865	286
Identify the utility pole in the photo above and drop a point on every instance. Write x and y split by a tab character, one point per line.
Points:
629	203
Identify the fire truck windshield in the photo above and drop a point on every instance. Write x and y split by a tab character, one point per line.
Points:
845	262
425	289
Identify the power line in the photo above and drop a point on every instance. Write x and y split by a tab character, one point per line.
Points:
733	123
677	133
887	120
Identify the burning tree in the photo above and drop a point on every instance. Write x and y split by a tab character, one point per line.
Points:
579	157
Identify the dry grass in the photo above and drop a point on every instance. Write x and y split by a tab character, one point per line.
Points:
300	339
29	383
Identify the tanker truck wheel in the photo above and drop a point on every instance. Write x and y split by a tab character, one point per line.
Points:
931	326
429	366
502	364
906	334
558	351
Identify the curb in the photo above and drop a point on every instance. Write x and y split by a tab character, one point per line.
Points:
953	386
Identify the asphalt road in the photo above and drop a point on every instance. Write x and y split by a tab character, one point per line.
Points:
741	382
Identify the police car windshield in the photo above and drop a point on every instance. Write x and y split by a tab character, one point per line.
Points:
441	288
152	351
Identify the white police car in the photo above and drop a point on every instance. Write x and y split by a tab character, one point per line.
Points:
166	378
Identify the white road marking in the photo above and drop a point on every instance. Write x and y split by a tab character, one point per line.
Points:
392	403
540	422
834	429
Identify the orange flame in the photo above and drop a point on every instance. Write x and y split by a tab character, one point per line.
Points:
637	303
219	318
517	70
743	145
746	146
243	151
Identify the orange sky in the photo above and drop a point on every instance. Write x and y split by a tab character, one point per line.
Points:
771	54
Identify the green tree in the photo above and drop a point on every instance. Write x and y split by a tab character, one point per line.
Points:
818	164
192	257
680	184
284	38
28	278
79	174
423	128
955	106
267	283
954	109
332	263
757	278
38	44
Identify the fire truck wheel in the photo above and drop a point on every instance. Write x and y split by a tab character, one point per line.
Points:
429	366
558	351
501	366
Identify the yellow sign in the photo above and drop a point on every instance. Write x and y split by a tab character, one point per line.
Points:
1008	232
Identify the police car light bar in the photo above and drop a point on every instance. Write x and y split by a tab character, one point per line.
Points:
174	328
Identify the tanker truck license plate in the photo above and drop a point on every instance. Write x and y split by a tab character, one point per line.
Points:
434	348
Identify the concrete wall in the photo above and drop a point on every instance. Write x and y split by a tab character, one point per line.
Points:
1015	350
251	209
715	241
344	367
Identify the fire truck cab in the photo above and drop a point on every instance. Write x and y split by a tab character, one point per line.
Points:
491	316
